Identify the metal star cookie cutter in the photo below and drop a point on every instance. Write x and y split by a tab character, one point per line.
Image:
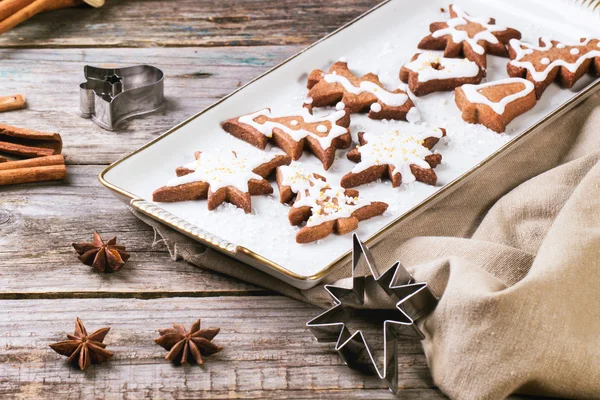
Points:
415	301
110	95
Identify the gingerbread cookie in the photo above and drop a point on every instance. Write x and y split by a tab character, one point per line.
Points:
324	208
357	94
471	37
495	104
225	177
404	155
293	132
428	73
553	61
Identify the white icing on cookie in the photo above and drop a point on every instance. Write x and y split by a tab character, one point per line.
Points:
399	148
294	123
474	96
545	61
224	169
308	100
413	115
376	107
384	96
451	68
327	203
267	127
459	36
523	49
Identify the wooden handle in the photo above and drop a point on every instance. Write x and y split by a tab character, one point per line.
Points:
34	162
33	174
12	102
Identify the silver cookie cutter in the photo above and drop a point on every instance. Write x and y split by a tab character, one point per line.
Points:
110	95
415	300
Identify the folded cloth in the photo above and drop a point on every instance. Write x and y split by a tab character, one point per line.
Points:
513	254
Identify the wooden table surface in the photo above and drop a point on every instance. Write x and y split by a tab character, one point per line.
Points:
207	49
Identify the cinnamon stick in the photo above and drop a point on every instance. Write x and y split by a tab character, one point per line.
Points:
33	174
9	7
28	143
34	8
33	162
12	102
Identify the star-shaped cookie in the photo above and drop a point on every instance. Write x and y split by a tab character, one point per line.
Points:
223	177
324	208
293	132
553	61
402	154
471	37
356	94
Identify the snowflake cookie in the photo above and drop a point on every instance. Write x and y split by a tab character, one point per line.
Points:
404	155
224	177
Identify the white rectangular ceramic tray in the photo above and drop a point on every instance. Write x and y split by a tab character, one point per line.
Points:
381	40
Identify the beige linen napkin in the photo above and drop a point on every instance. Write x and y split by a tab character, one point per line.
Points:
514	256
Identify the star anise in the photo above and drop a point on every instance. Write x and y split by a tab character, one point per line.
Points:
83	349
183	344
103	257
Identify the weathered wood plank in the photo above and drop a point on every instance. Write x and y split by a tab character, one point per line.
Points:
195	78
268	352
38	223
166	23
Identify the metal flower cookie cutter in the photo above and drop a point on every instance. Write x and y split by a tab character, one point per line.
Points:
413	301
110	95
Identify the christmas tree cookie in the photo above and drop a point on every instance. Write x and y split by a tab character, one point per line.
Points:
553	61
295	132
356	94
